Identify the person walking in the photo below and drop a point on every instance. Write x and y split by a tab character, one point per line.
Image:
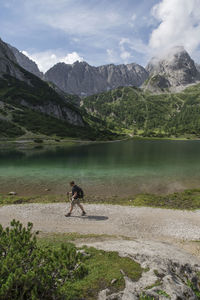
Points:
77	194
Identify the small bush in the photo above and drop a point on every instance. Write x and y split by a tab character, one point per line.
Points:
28	271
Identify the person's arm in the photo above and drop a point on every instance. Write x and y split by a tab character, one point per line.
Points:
75	194
69	193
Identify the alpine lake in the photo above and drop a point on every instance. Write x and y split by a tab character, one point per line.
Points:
111	169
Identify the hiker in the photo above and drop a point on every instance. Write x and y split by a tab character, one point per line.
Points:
77	194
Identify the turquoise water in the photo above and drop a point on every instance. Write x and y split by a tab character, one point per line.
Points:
125	167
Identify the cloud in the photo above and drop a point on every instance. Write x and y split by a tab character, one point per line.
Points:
45	60
112	56
178	24
128	47
78	17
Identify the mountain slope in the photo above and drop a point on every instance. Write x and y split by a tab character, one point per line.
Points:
142	113
82	79
172	70
28	104
26	62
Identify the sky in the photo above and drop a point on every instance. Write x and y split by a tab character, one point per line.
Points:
99	31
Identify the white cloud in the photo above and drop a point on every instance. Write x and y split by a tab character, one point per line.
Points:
45	60
179	24
127	46
125	55
112	56
81	20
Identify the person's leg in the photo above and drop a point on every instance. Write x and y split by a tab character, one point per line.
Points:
70	211
81	207
71	208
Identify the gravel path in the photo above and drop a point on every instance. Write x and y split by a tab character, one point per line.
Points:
137	222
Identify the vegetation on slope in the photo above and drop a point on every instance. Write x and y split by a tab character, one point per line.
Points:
146	114
39	269
17	119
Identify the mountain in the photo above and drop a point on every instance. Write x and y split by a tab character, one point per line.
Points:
28	105
174	69
198	67
141	113
26	62
82	79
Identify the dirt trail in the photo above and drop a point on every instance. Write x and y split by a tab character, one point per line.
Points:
135	222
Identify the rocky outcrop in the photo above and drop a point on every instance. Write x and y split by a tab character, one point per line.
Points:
169	272
26	62
8	62
198	67
175	69
57	111
156	83
58	106
82	79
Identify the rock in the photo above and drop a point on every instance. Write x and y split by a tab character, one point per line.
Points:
171	271
26	62
82	251
174	68
113	281
82	79
12	193
103	294
47	190
122	272
57	107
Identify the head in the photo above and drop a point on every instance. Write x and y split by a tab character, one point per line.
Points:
72	183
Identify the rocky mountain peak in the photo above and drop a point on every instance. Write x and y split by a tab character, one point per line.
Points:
8	62
25	62
82	79
176	66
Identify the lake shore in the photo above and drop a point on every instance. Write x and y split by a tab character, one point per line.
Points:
45	142
185	200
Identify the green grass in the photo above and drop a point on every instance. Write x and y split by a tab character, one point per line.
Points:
188	199
157	283
143	296
55	239
102	267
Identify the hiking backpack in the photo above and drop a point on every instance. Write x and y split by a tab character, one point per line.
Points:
80	193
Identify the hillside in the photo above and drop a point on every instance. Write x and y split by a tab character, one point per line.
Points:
39	110
29	105
145	114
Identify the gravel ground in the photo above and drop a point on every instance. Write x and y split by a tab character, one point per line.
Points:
136	222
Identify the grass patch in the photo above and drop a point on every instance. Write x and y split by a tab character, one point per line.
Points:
157	283
194	288
55	239
163	293
188	199
146	297
102	267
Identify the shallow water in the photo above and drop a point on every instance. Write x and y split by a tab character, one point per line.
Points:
118	168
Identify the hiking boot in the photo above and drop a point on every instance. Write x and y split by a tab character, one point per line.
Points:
83	213
68	215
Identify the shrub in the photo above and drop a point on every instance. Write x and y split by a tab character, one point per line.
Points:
39	141
28	271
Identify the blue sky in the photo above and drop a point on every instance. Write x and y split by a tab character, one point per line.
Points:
99	32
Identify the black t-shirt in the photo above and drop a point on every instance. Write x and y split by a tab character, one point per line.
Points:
75	189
